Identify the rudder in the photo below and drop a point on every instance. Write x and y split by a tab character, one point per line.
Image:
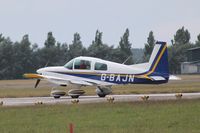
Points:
159	61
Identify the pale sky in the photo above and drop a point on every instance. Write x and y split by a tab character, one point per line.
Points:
112	17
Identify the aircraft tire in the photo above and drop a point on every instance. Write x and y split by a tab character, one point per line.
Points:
75	96
101	95
56	97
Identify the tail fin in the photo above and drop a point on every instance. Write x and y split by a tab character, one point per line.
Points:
158	63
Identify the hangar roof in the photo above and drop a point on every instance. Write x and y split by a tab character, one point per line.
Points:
193	48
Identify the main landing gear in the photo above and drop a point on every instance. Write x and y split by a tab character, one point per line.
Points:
103	91
74	93
57	93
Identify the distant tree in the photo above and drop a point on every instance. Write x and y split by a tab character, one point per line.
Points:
177	52
138	55
6	58
182	36
35	47
149	46
116	55
51	41
22	57
53	54
98	38
48	53
98	49
197	43
17	58
125	48
1	38
64	50
62	54
35	57
76	48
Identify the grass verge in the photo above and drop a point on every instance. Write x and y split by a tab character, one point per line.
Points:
181	116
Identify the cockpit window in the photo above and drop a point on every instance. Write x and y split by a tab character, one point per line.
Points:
100	66
69	64
82	64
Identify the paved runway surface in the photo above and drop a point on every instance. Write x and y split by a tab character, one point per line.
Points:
30	101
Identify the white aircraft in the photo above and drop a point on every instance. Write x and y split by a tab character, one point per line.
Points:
89	71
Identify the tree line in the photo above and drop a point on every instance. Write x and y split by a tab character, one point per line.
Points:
17	58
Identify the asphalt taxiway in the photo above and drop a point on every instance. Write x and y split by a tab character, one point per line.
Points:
30	101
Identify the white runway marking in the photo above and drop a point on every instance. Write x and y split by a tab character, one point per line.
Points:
30	101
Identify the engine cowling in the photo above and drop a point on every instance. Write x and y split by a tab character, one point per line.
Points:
103	91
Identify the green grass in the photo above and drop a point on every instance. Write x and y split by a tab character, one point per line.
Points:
181	116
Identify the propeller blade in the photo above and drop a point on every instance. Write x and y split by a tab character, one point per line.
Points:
37	82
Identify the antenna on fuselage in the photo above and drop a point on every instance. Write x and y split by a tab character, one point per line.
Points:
47	63
126	59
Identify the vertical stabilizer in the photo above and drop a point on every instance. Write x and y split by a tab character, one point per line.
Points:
158	63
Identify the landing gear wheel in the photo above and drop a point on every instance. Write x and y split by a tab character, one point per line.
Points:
57	93
101	95
103	91
56	97
75	93
76	96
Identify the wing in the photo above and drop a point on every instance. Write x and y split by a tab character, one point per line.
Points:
59	81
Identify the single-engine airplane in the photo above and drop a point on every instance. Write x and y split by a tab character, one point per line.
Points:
89	71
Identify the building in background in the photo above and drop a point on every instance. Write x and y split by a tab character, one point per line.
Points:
192	66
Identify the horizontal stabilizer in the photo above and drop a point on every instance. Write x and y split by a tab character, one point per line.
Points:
173	77
157	78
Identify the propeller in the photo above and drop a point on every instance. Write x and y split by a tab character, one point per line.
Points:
37	82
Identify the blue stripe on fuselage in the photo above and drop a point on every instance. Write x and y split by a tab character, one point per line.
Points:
112	78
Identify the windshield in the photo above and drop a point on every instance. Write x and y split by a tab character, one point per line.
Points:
69	64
